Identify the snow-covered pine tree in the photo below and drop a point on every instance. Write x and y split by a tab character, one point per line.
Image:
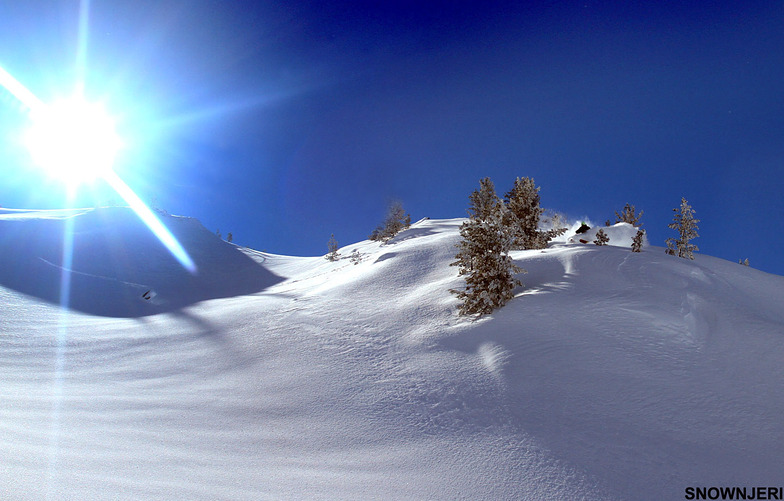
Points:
523	214
356	257
544	237
395	221
686	225
332	246
483	255
601	238
637	241
629	215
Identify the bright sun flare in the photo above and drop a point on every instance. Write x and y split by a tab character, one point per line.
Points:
73	140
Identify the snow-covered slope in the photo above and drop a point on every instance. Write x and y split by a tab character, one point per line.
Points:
116	259
612	375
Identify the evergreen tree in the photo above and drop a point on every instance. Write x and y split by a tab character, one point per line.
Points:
396	221
332	246
686	226
229	237
483	255
637	241
523	213
218	233
601	238
544	237
356	257
629	215
523	216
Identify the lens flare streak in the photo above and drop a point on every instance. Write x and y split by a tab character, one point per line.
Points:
152	222
20	92
36	107
60	347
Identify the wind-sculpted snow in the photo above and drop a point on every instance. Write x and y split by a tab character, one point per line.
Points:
619	234
119	268
612	375
650	372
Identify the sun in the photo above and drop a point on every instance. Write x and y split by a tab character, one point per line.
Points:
76	142
73	140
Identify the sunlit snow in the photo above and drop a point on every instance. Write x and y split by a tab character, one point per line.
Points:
611	375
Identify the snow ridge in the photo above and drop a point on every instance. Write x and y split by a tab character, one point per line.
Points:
610	375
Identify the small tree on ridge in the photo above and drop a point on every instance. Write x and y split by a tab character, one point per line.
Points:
522	201
332	246
686	225
629	215
396	221
601	238
637	241
523	216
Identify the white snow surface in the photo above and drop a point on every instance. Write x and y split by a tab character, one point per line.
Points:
619	234
611	375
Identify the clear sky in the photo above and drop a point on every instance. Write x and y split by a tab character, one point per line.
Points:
284	122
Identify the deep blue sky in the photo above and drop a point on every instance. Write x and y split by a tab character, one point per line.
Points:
283	122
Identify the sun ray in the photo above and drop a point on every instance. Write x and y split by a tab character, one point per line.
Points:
103	171
60	347
153	223
19	91
77	144
81	49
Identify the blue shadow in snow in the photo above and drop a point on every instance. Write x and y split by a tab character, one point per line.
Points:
119	268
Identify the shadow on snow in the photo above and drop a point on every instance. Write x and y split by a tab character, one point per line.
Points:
119	268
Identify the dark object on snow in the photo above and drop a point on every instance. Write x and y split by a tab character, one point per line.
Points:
583	241
146	295
582	229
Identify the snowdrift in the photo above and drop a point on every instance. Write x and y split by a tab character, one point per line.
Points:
612	375
119	268
620	235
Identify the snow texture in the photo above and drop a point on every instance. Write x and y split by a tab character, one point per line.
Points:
611	375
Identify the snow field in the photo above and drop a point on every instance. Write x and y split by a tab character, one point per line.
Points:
612	375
